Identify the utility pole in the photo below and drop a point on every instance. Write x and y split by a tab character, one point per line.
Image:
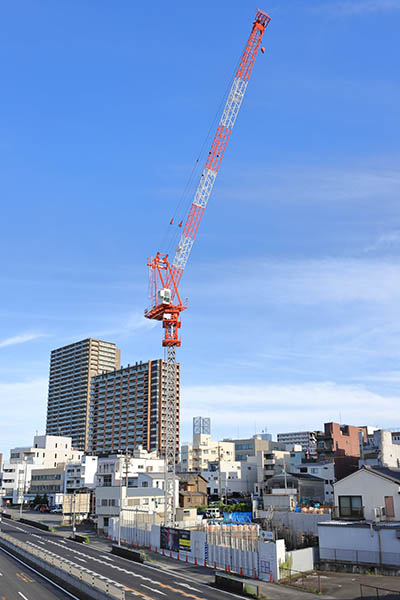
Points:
220	474
73	514
120	502
23	490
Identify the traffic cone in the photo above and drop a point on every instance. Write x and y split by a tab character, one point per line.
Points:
271	579
241	572
195	561
226	569
255	574
229	568
215	566
186	558
177	556
205	562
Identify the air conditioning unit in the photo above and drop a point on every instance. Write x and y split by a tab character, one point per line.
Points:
377	514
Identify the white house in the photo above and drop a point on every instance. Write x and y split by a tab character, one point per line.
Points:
372	494
382	448
135	502
47	451
112	468
81	474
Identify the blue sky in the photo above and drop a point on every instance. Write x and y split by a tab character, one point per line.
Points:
293	282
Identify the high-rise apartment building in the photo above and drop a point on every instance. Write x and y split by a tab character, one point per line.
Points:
128	409
71	370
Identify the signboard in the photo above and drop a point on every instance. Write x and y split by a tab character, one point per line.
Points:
175	539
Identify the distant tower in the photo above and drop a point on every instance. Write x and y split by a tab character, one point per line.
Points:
201	425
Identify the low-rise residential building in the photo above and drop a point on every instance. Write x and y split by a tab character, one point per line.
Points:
110	469
306	439
268	464
134	502
324	471
203	450
192	490
230	478
50	482
380	449
80	475
244	448
47	451
308	489
371	493
341	444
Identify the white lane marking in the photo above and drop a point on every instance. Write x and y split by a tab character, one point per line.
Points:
79	558
186	585
40	574
24	597
153	590
107	557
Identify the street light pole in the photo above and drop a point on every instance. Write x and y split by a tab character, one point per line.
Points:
23	490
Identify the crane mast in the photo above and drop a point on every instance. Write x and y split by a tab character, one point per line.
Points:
165	276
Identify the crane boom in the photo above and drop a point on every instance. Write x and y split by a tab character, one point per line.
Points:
219	145
166	304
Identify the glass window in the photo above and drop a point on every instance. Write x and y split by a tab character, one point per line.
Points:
350	506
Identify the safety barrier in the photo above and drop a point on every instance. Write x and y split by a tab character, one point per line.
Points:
77	577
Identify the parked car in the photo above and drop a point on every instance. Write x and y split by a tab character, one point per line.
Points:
56	510
44	508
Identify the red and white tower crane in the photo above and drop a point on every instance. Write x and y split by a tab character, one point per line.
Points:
165	275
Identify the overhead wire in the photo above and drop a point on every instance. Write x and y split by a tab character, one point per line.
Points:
171	236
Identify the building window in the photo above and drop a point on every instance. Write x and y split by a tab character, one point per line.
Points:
351	506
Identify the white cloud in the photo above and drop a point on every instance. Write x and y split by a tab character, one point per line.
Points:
23	411
307	281
386	241
286	407
305	183
20	339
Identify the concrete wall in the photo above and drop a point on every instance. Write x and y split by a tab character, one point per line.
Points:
299	522
301	560
359	543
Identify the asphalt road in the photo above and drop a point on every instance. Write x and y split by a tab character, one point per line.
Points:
18	582
139	581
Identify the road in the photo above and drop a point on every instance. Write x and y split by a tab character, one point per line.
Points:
18	582
139	581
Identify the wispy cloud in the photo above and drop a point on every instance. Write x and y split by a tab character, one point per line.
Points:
131	324
20	339
304	183
386	241
287	407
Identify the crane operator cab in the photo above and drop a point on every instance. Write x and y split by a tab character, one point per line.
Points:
164	296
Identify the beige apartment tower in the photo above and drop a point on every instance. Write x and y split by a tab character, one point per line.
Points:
71	370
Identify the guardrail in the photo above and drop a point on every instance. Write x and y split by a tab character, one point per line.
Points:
370	592
37	555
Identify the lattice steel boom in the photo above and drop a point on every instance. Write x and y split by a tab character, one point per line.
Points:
165	277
